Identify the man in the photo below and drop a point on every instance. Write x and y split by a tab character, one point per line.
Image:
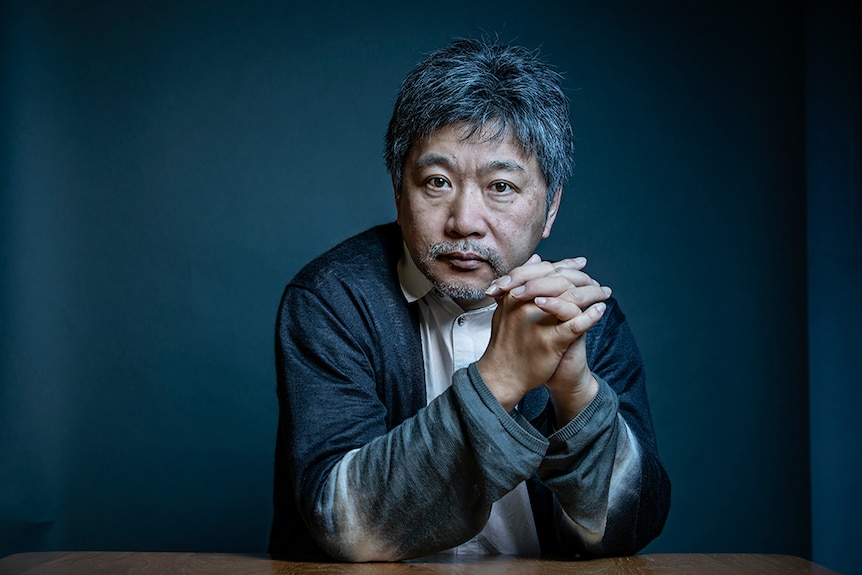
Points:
443	389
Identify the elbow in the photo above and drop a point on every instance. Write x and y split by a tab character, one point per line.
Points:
354	551
649	522
349	541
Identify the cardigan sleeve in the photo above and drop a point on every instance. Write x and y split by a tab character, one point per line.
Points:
428	484
368	492
611	495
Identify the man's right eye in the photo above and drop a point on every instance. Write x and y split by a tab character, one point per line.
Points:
437	182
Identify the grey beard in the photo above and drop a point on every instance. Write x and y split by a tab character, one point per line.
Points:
461	291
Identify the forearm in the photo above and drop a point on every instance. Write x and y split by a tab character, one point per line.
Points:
428	484
595	469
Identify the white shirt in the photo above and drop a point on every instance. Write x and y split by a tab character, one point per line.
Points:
453	339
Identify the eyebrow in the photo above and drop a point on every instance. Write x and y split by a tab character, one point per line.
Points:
492	166
434	160
502	166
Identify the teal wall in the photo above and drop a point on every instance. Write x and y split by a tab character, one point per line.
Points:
834	204
167	166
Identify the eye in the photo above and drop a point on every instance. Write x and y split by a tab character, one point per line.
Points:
502	187
437	182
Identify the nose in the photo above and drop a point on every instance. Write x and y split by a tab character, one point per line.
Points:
467	214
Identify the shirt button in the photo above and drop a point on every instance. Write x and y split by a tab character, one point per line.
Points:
461	320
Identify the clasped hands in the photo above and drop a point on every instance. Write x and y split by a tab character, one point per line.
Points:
538	334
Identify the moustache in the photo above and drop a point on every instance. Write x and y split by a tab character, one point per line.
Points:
488	254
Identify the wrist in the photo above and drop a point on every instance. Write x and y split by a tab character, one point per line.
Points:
499	384
569	403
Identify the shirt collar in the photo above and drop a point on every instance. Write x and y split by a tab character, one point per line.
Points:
414	284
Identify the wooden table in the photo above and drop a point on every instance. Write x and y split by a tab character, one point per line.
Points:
103	563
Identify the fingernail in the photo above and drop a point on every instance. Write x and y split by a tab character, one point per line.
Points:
518	291
580	261
607	290
496	286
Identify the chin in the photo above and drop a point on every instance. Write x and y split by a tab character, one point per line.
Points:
453	284
461	292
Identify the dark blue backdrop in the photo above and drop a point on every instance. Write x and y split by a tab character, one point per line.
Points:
168	166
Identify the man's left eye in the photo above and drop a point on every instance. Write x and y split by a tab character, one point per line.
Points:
501	187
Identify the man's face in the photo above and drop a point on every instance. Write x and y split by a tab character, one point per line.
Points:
471	210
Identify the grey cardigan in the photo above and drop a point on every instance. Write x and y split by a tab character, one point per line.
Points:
420	479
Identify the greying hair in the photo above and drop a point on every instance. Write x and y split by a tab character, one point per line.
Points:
490	88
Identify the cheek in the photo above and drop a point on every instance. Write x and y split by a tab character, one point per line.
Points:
414	227
420	221
520	223
518	237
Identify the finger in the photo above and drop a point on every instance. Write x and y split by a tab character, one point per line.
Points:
518	276
550	286
555	286
584	321
559	308
534	268
577	263
570	304
547	282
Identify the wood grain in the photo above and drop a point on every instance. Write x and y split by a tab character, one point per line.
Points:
111	563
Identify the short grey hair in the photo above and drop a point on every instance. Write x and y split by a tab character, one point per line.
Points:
483	85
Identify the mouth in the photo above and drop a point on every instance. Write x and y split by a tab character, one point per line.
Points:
463	261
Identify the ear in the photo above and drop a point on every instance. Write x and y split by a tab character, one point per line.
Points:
552	213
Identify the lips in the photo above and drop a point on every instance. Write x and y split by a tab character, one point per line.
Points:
465	261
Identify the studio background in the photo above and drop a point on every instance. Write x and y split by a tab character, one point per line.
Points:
168	166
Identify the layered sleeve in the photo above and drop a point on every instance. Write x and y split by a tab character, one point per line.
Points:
370	490
610	492
428	484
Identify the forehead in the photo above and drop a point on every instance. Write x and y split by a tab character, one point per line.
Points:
459	141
